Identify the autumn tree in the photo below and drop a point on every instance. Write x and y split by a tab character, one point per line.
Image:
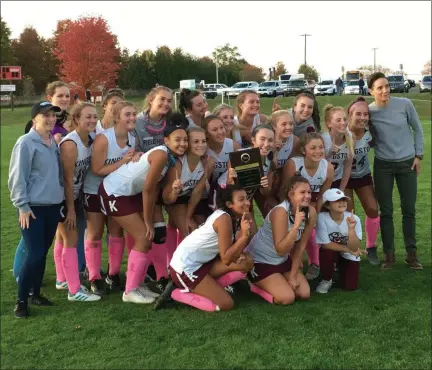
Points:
252	73
427	68
6	51
88	52
279	69
226	55
309	72
32	54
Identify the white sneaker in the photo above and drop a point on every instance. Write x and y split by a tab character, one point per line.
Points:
324	286
61	285
136	296
83	295
144	289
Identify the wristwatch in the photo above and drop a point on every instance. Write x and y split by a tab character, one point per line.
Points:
420	156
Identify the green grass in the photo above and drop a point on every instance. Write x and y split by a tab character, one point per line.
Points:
385	324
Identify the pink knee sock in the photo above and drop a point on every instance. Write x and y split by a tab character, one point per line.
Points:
158	255
58	250
171	243
130	242
372	226
93	256
137	267
312	249
194	300
230	278
115	254
262	293
70	268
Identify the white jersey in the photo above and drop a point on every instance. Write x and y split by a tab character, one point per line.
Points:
328	231
361	166
199	247
188	178
221	159
256	121
262	248
99	128
284	152
114	154
336	159
319	177
82	162
302	128
129	179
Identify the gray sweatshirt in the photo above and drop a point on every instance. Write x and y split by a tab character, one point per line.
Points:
34	173
392	125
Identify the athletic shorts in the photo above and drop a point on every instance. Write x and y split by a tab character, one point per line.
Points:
360	182
190	281
263	270
64	209
119	206
92	203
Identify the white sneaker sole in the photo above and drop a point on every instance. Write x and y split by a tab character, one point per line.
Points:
143	300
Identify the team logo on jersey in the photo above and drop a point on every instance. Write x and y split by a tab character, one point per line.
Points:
338	238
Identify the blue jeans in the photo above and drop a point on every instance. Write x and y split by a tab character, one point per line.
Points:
21	251
38	239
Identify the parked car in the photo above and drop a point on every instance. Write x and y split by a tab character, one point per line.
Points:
425	83
219	87
270	88
397	83
238	87
325	87
295	87
352	88
208	92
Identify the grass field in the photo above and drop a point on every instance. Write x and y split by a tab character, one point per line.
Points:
385	324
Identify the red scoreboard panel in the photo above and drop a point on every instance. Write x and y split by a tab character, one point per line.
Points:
11	73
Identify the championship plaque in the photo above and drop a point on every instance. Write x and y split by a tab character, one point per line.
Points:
248	166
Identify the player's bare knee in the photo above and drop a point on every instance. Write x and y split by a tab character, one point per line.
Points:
226	304
286	298
371	212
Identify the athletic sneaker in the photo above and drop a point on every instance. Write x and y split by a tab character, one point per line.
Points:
21	310
114	283
97	287
61	285
312	272
372	256
165	295
146	291
324	286
137	296
83	295
230	289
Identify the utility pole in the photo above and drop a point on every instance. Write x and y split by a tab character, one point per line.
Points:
374	50
305	35
217	69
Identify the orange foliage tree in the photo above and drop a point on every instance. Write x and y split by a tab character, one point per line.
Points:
87	51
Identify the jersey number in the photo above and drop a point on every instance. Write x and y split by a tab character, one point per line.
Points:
360	163
80	176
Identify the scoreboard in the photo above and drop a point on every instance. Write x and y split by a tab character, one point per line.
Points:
10	73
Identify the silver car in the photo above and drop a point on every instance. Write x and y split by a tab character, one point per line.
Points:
270	88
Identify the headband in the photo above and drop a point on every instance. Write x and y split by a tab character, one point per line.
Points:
357	104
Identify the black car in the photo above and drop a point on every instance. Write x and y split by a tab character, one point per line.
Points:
208	92
397	84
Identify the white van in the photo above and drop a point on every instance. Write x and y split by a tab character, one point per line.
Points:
287	77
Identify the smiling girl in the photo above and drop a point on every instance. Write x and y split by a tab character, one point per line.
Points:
112	97
305	114
194	106
37	192
339	145
75	154
276	276
129	194
232	128
111	149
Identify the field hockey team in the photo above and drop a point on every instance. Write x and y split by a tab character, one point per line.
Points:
73	178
